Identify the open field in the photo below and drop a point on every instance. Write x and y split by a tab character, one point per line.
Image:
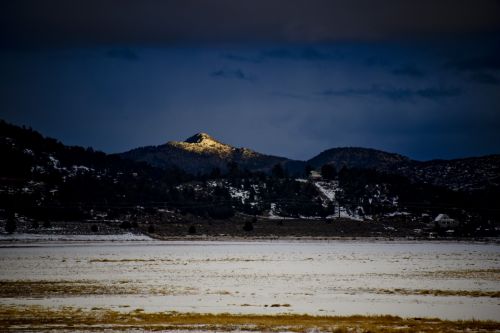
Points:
376	286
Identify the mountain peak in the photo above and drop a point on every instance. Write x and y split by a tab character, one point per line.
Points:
199	138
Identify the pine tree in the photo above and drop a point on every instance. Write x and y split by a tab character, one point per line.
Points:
11	224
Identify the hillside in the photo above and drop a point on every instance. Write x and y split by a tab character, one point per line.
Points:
362	158
465	174
201	153
43	180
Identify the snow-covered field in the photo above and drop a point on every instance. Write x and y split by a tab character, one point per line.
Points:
433	279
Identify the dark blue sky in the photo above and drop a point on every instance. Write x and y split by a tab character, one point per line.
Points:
402	87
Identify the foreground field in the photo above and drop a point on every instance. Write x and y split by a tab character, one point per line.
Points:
39	319
359	286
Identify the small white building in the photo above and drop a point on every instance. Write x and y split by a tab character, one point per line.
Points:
314	175
444	221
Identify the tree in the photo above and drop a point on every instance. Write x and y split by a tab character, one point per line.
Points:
11	224
192	230
125	225
277	171
151	229
94	228
215	173
307	170
47	224
328	172
233	169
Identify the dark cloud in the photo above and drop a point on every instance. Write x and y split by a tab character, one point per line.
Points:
484	78
35	22
291	95
395	94
437	93
307	53
232	74
409	70
486	61
236	57
123	53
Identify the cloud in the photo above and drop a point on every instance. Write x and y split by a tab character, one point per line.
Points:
409	70
307	53
291	95
120	22
241	58
123	53
395	94
484	78
489	61
231	74
437	93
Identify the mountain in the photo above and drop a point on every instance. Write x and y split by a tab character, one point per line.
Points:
38	171
201	153
43	180
465	174
362	158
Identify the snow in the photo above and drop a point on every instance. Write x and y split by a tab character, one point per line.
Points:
28	152
81	168
328	189
315	277
273	216
345	214
397	214
54	161
240	194
77	238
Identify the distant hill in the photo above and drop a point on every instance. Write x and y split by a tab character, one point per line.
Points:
458	174
363	158
201	153
42	179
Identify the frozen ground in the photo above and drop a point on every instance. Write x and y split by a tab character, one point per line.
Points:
432	279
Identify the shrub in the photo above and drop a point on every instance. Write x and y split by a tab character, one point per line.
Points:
94	228
151	229
248	226
11	224
192	230
125	225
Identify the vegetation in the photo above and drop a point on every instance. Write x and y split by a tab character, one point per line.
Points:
46	181
10	225
14	318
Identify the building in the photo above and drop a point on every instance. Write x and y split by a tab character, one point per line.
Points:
444	221
314	175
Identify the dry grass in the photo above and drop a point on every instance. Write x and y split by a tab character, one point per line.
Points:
435	292
35	318
63	288
483	274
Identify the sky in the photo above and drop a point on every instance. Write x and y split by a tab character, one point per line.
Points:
289	78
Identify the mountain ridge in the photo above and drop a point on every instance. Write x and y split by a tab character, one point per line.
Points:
202	153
